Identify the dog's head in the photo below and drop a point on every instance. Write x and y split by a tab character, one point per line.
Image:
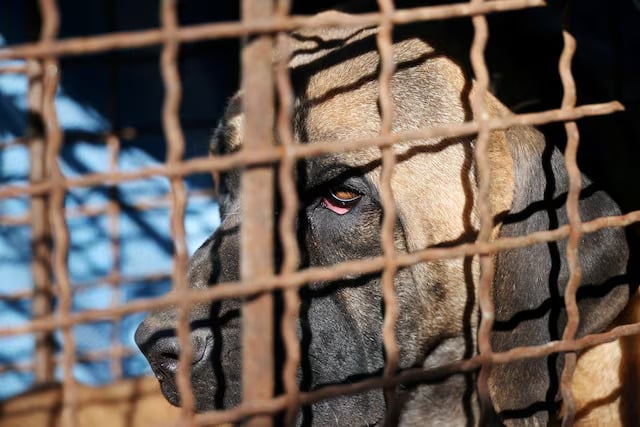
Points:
335	76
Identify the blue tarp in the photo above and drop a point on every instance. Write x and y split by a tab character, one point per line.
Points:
98	94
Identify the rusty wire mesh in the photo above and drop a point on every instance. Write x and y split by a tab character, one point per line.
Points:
48	186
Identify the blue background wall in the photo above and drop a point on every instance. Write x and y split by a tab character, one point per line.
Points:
98	94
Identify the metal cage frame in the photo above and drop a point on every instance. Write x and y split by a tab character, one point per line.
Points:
266	21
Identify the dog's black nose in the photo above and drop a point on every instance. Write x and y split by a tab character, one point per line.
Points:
161	347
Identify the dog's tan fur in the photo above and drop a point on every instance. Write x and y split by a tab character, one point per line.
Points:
607	379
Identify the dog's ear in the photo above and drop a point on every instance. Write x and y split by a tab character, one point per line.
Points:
226	139
502	186
530	282
502	182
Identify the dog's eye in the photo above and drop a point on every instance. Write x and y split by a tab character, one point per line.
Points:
340	200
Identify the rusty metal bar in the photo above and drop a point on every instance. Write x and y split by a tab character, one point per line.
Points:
248	288
575	222
119	351
54	139
112	280
113	211
101	138
14	142
272	154
137	39
23	141
40	231
384	40
287	224
256	231
175	152
20	295
483	169
151	203
15	69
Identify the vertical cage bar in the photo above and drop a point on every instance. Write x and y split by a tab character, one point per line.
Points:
485	285
288	192
384	40
114	205
40	231
175	152
256	234
113	212
50	27
575	223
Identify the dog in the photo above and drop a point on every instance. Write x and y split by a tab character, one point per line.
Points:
335	74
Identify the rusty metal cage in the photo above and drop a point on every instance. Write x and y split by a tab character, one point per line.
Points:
265	21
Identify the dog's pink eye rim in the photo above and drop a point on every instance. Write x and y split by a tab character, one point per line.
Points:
341	201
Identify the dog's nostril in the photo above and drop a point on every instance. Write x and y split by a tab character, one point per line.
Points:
162	347
164	356
165	353
169	356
